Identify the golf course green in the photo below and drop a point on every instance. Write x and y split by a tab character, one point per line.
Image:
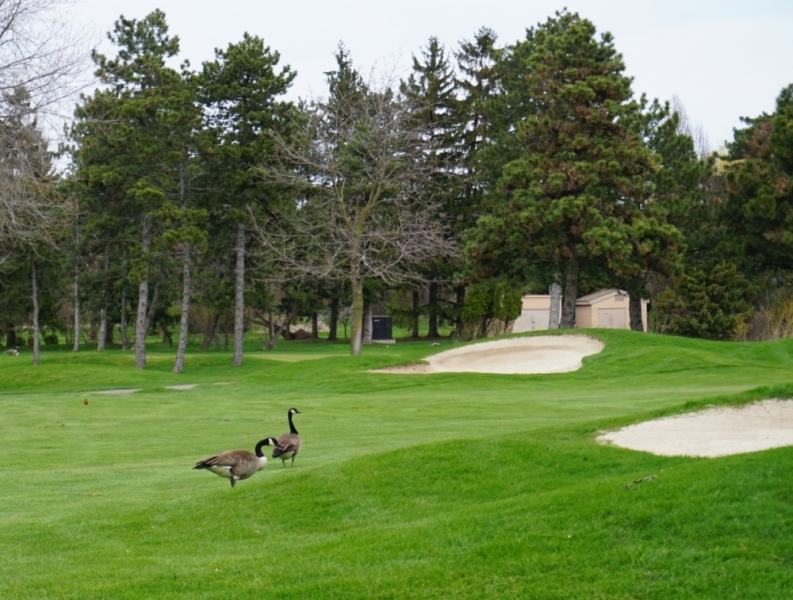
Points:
446	485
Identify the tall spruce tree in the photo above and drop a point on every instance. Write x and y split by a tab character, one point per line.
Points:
432	89
576	186
478	83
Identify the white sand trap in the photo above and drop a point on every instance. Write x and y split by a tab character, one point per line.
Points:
515	356
116	392
712	432
184	386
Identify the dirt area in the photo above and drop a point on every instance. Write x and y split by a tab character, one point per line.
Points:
514	356
712	432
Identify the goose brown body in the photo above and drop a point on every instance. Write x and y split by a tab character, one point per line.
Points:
237	464
290	443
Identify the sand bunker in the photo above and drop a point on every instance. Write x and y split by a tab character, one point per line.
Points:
115	392
712	432
184	386
515	356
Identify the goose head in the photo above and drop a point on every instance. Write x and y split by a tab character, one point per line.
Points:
270	441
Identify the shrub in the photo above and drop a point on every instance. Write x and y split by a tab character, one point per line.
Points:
712	304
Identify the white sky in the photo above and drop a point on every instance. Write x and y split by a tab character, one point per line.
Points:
724	59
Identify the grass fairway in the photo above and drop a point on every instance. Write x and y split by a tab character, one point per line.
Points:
422	486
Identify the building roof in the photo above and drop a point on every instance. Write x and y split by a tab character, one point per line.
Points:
599	296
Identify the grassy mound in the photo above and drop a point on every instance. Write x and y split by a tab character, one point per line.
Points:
439	486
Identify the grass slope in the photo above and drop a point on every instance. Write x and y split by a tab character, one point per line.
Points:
435	486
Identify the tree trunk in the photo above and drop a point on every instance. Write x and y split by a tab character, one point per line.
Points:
570	291
210	331
270	325
216	335
155	299
109	333
367	323
287	332
102	336
76	347
314	326
274	339
356	328
35	297
167	338
123	324
334	320
635	310
11	337
102	339
239	296
433	312
460	304
556	295
415	315
141	326
183	323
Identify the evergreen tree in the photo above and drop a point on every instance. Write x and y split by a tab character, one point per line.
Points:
240	93
578	184
131	137
759	187
478	83
432	89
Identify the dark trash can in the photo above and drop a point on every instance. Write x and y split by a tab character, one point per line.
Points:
382	328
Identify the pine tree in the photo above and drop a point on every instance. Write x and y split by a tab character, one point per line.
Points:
130	140
580	177
759	186
240	93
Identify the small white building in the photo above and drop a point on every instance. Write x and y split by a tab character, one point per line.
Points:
608	309
535	313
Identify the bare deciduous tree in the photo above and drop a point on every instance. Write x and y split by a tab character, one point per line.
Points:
32	214
695	132
41	52
361	172
42	63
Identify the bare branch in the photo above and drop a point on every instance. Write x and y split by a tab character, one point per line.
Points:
695	132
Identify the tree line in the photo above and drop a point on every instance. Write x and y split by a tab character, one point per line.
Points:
204	199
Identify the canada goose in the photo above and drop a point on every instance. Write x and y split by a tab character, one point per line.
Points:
237	464
290	443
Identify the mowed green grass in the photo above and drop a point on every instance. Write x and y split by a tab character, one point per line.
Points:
408	486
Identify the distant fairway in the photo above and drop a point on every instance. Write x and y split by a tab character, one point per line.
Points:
443	485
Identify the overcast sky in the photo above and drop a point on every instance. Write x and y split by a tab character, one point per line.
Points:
724	59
